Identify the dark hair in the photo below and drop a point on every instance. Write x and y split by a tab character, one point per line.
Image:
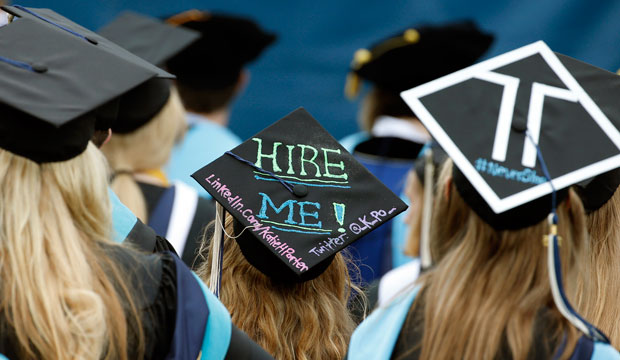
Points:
99	137
379	102
206	100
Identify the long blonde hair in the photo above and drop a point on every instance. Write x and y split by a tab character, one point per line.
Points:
61	293
490	285
599	286
147	148
302	321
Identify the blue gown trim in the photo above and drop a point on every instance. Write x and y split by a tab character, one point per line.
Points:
191	316
123	220
349	142
219	327
376	336
604	351
159	220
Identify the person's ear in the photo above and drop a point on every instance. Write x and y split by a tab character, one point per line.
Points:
243	81
108	137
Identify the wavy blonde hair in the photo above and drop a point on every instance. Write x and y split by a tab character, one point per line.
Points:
490	284
415	192
302	321
599	286
146	148
61	293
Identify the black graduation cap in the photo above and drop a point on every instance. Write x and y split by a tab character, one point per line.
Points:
52	86
227	44
151	39
58	21
417	55
479	116
597	191
107	114
304	196
154	41
604	87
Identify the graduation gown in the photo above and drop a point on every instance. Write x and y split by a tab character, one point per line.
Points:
382	336
179	215
388	152
181	318
128	228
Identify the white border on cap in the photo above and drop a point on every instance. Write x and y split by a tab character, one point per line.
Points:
482	70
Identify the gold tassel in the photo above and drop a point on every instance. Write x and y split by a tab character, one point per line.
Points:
353	83
352	86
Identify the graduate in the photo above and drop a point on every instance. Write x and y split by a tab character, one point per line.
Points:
150	119
292	204
211	73
392	136
68	290
419	188
508	233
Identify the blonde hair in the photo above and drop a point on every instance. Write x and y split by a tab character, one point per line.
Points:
490	285
414	191
61	293
302	321
146	148
599	286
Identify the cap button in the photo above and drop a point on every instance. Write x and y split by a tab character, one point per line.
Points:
300	190
91	40
39	68
519	126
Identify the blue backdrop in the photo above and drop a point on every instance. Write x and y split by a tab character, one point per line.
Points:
308	65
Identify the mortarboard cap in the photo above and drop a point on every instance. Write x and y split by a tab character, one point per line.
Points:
499	165
151	39
604	87
333	200
417	55
53	86
106	115
56	20
597	191
154	41
227	44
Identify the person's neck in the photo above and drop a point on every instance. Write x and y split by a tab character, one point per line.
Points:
220	117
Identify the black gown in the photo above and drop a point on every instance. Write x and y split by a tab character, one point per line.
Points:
174	309
159	201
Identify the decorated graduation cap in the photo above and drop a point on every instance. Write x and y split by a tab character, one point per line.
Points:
604	88
302	195
120	79
154	41
417	55
227	44
54	85
521	127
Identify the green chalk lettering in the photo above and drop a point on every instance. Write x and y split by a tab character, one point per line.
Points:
290	159
339	165
304	160
273	156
